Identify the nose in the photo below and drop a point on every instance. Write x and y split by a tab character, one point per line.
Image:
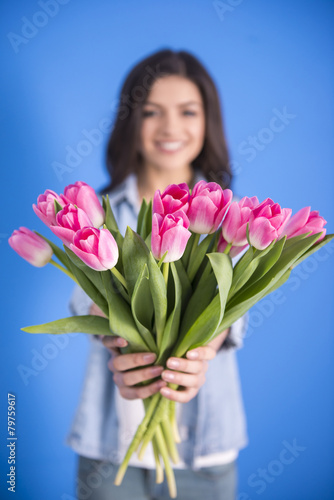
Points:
170	123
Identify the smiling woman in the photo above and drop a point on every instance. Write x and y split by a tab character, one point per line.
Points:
168	131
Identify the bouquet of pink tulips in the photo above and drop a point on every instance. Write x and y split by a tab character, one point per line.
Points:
164	288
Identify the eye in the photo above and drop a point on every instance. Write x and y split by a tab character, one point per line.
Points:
188	112
148	112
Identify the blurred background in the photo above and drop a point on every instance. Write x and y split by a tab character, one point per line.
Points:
63	63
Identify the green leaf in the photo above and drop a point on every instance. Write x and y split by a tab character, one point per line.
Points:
206	325
60	254
197	256
285	262
141	216
171	331
159	295
95	325
246	266
233	314
263	263
57	206
313	249
148	219
88	287
185	283
91	274
199	301
120	317
110	220
142	308
135	256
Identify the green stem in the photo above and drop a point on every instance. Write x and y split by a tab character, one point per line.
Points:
172	417
228	248
150	407
193	249
159	413
58	266
168	469
169	439
165	270
120	278
159	472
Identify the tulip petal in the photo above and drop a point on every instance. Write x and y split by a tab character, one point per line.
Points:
261	233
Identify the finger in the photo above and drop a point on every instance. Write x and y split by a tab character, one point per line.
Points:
111	342
142	392
185	379
134	377
186	365
179	396
125	362
205	352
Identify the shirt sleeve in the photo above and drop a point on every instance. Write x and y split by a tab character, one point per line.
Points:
80	303
236	334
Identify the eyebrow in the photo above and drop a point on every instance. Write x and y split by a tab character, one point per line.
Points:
188	103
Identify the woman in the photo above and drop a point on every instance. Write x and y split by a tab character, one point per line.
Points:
168	130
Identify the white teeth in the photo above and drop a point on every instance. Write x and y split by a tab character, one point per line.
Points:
171	146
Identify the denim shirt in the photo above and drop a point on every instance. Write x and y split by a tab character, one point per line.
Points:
212	422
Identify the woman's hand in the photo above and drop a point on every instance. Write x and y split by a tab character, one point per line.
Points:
131	369
190	372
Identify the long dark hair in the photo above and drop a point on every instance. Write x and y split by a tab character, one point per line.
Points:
123	151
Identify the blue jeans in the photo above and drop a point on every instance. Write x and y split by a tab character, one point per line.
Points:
95	482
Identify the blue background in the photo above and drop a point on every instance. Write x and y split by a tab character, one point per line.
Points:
62	78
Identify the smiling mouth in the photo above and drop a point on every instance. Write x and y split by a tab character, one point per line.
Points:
170	146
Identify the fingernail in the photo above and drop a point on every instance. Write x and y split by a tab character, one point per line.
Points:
156	370
192	354
149	358
173	363
168	375
165	391
121	342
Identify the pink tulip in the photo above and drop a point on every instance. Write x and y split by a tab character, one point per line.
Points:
174	198
235	223
267	223
45	208
169	234
234	250
207	207
305	221
31	247
83	196
69	220
97	248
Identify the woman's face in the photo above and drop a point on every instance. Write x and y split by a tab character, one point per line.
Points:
173	124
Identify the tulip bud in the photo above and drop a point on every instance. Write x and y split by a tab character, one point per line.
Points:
267	223
207	207
305	221
97	248
31	247
234	228
45	208
169	234
83	196
174	198
69	220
